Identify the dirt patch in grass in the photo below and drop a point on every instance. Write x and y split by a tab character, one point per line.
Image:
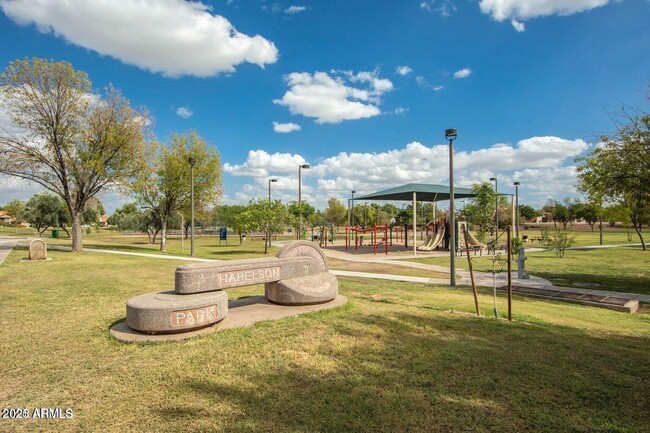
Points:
383	268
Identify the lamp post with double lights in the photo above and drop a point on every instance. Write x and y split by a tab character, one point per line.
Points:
300	167
451	135
517	209
192	161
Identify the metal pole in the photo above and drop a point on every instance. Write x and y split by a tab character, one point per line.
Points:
192	232
299	201
509	252
496	210
452	219
415	216
353	207
517	207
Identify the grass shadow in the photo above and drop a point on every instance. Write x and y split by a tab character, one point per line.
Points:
443	374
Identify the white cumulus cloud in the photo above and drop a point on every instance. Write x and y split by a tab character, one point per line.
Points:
463	73
444	7
542	164
285	128
261	163
171	37
184	112
292	10
343	95
519	26
403	70
522	10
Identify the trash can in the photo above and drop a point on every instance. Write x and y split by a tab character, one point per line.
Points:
55	234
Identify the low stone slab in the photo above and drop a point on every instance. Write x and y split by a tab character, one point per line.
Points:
205	277
242	312
312	289
565	294
169	312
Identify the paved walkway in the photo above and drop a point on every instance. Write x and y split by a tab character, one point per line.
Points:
129	253
6	246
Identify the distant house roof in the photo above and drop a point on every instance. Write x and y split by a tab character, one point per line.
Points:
423	192
4	216
103	219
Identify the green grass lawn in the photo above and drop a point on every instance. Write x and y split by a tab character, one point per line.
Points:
208	247
584	235
625	269
398	357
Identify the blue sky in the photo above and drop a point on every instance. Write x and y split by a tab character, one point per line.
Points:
361	90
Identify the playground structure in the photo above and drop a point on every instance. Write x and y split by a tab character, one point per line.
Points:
326	233
472	243
374	231
433	241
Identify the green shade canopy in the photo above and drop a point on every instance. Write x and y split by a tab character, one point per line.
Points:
423	191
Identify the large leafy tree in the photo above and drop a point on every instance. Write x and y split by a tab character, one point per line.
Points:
618	170
267	217
527	212
46	210
336	212
127	218
480	211
64	138
163	186
237	217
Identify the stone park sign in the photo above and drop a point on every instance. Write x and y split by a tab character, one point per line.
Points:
297	275
37	250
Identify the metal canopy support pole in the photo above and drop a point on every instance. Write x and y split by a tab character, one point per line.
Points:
414	222
512	205
452	218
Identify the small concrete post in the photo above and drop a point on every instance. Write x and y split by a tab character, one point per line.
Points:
521	264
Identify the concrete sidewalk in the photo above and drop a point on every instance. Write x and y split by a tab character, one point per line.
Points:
6	246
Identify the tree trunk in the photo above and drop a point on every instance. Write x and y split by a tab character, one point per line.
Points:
600	228
638	227
66	231
163	235
40	232
77	241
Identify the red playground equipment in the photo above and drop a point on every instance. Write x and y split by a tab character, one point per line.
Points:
374	231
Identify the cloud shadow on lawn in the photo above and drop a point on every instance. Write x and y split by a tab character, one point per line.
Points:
444	373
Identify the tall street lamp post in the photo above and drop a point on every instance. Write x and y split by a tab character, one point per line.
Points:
192	161
300	167
271	180
496	206
451	134
268	234
517	209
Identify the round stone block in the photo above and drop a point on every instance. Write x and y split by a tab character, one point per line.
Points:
312	289
169	312
304	249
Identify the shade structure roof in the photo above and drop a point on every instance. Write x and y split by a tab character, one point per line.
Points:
423	191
